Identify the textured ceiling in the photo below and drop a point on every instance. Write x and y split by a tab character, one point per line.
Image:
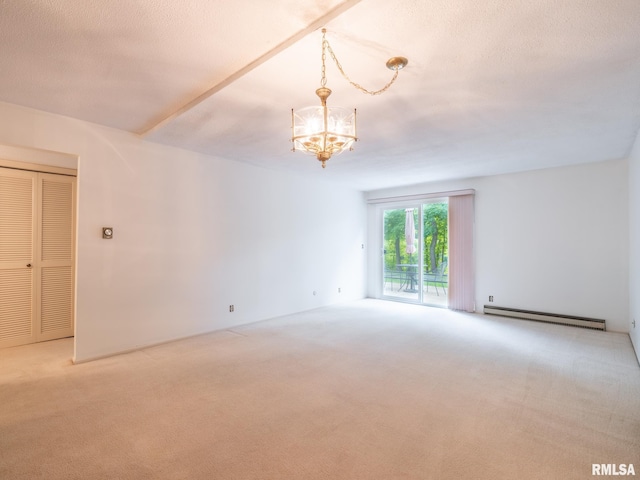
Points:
491	87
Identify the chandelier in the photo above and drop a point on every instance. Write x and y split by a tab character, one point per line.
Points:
324	131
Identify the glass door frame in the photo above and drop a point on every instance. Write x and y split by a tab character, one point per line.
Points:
419	233
419	206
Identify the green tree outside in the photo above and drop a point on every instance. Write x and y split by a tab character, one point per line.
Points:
435	228
436	235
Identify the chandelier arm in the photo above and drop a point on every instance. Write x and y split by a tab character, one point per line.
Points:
356	85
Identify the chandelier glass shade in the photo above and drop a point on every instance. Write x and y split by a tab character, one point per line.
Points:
323	131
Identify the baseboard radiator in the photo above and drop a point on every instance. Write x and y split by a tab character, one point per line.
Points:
584	322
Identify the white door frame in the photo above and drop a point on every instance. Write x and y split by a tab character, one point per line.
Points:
47	161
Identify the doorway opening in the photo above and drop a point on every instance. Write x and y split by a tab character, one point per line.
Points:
37	265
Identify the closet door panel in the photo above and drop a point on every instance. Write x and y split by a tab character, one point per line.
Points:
56	229
57	221
16	307
56	311
17	272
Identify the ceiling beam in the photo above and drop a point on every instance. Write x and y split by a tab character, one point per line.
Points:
320	22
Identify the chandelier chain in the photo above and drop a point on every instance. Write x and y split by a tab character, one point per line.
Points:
323	80
327	46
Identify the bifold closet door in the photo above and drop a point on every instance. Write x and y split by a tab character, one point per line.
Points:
17	252
55	255
36	256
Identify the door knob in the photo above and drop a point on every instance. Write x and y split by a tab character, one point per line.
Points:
28	265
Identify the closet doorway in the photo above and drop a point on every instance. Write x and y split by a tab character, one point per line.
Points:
37	254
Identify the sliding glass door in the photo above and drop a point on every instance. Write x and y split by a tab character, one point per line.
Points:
415	253
401	251
435	220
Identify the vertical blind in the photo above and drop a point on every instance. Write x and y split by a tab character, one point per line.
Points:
461	253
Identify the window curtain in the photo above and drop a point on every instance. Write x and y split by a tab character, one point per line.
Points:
461	253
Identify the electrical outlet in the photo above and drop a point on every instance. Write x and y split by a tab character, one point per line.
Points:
491	298
339	290
231	308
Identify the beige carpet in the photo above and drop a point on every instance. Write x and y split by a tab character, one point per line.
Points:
367	390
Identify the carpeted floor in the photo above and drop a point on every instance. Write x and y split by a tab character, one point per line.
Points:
366	390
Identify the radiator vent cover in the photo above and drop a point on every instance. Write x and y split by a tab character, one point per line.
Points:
584	322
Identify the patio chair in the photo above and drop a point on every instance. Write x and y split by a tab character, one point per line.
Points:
439	277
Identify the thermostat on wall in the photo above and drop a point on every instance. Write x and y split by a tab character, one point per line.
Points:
107	232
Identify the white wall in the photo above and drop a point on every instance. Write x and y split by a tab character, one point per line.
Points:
192	235
553	240
634	244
